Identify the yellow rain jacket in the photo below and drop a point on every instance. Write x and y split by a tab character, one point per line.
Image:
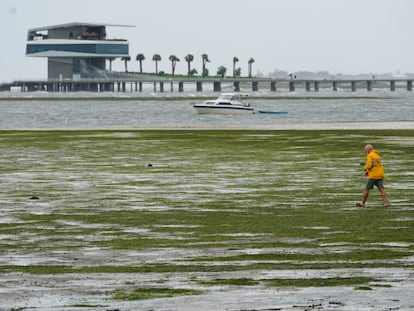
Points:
373	165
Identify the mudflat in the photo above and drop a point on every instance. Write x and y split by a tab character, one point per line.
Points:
204	219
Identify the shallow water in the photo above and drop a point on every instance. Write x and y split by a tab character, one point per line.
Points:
383	109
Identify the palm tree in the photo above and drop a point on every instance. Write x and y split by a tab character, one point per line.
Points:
111	59
174	59
126	59
189	58
140	57
238	72
251	61
235	60
156	58
221	71
205	61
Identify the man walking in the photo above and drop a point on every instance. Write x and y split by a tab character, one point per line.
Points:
375	172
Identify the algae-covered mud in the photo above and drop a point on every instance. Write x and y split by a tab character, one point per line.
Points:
207	220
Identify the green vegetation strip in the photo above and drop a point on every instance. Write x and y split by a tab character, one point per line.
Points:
152	293
300	282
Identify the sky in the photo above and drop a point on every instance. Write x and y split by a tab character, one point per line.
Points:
339	36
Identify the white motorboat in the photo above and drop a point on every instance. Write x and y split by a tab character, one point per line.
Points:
227	103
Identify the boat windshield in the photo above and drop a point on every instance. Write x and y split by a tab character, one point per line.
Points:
229	97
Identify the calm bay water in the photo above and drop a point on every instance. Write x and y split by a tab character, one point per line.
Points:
386	110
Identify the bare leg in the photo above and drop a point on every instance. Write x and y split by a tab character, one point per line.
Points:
364	197
384	196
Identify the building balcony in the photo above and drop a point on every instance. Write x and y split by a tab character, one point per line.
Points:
77	48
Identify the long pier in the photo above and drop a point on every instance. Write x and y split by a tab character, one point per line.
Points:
199	85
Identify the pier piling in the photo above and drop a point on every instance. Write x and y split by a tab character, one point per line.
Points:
255	86
273	86
392	86
291	86
199	86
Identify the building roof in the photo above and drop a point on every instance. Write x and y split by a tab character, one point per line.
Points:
74	24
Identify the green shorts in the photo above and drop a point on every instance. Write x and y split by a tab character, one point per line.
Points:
379	183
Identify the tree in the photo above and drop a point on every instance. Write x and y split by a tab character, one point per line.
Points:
140	57
189	58
111	59
156	58
251	61
174	59
235	60
205	61
238	72
221	71
126	59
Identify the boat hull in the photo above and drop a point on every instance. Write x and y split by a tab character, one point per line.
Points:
203	109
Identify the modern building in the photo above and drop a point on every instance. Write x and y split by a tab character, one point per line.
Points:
76	51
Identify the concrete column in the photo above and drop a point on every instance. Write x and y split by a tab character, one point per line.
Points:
109	87
335	86
392	85
255	86
140	86
291	86
369	85
155	86
123	86
307	86
217	86
236	86
199	86
316	85
273	86
161	86
353	86
181	87
409	85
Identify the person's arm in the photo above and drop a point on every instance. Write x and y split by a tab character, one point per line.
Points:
368	163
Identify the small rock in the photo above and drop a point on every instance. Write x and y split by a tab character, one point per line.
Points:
34	197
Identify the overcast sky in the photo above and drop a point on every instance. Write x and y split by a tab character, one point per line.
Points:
339	36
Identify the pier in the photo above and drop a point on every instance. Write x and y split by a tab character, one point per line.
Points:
161	85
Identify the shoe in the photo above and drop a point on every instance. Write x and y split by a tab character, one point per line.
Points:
359	204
